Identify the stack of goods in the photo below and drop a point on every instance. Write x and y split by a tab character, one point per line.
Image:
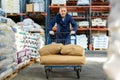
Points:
82	40
36	6
11	6
83	2
30	25
100	0
57	2
83	23
73	13
32	42
99	14
100	42
8	57
25	40
20	39
99	22
73	39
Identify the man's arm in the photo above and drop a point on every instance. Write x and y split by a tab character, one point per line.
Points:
73	23
52	23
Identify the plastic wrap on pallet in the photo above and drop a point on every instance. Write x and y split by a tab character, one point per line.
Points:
82	40
3	56
83	2
39	6
6	67
83	23
11	6
6	73
35	54
27	61
19	65
22	59
3	20
2	12
28	52
58	2
100	42
21	53
10	22
99	22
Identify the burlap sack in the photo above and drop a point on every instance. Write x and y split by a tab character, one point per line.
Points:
73	50
50	49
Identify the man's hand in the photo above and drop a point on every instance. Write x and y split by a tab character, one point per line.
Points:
72	32
51	32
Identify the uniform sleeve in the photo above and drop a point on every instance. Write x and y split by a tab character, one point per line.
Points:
52	23
73	23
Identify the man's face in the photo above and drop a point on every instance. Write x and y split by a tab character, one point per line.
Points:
63	12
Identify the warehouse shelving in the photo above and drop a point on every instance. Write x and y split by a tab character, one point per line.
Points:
99	3
93	7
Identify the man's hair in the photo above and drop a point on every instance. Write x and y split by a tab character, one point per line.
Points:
62	7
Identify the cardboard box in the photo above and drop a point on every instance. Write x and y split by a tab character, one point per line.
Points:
29	8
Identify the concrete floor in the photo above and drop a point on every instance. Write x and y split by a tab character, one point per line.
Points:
91	71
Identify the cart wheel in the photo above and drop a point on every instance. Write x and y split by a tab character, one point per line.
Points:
49	69
78	73
77	70
46	72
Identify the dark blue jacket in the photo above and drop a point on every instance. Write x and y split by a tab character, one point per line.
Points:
63	26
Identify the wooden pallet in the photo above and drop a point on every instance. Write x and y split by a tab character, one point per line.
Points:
72	0
25	65
99	49
83	27
13	74
98	27
10	76
58	4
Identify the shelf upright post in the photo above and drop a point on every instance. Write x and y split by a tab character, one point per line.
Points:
22	8
47	19
90	32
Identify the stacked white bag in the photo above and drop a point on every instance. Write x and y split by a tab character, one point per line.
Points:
83	2
58	2
11	6
100	42
82	40
32	41
8	57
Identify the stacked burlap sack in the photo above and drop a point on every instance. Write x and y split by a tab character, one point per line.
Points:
59	54
8	57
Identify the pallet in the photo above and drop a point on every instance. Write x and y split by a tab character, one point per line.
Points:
58	4
10	76
98	27
32	59
13	74
15	14
83	26
25	65
99	49
72	0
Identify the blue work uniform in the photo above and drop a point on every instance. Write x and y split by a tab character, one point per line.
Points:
63	28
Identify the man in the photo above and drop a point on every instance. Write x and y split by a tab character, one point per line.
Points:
63	21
